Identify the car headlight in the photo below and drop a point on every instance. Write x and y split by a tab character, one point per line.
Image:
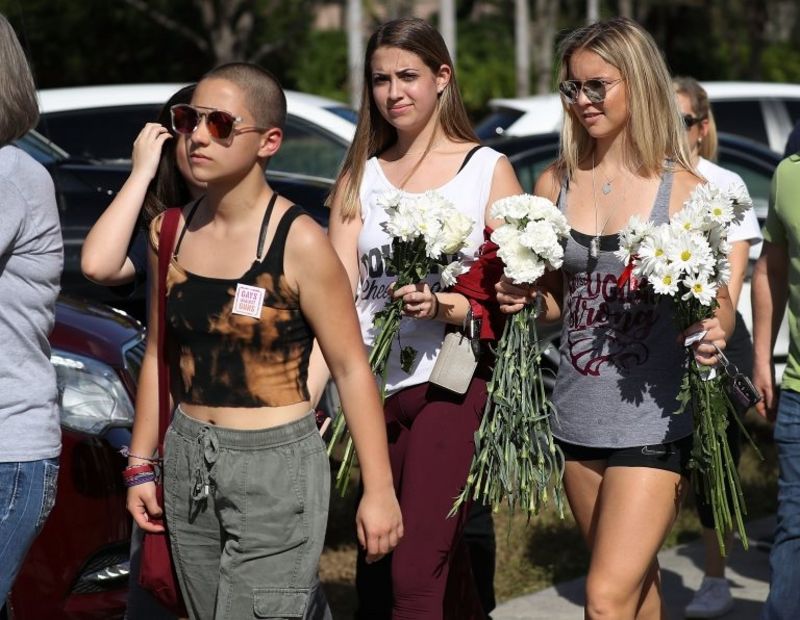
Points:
90	394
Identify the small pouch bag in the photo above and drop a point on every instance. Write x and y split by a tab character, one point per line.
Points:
738	386
458	357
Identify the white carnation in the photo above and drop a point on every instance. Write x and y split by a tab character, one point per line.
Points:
449	274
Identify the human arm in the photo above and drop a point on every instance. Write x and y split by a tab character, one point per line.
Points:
769	292
141	500
327	304
104	254
740	254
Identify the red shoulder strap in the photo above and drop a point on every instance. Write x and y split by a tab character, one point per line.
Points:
166	240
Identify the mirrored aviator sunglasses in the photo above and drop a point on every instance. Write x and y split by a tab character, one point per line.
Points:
186	119
595	90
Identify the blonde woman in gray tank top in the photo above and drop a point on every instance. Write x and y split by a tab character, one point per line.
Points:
623	154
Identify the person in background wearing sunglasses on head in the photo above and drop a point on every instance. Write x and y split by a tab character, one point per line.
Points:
623	153
714	598
114	254
251	282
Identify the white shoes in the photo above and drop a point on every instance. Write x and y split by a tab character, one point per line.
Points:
712	600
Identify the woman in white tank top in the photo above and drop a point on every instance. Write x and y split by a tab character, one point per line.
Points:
413	135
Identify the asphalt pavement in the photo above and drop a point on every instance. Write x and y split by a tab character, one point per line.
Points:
681	574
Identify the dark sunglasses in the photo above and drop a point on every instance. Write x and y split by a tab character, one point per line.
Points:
595	90
690	121
186	119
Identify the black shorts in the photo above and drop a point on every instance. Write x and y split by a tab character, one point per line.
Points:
672	456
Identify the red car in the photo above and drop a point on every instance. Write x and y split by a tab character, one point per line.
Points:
77	568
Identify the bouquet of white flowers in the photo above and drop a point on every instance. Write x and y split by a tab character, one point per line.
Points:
687	259
515	458
426	230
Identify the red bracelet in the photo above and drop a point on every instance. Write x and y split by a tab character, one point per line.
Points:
134	470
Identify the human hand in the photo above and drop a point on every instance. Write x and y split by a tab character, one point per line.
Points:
147	149
379	523
419	301
144	508
513	297
764	381
705	347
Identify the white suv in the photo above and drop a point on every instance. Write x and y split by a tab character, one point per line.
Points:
762	111
99	123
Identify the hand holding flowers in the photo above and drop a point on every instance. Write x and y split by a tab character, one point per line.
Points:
687	260
426	232
516	459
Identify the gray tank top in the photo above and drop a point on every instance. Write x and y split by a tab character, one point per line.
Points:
621	363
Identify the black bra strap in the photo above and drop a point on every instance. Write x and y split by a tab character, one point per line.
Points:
274	258
468	157
185	226
264	223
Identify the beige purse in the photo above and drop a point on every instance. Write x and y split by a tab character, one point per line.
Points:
458	358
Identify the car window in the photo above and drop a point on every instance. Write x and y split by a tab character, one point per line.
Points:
307	150
496	123
743	118
101	133
348	114
756	174
793	108
529	165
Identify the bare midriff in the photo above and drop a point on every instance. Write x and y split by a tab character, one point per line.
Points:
247	418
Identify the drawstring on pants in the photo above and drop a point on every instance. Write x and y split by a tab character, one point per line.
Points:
205	455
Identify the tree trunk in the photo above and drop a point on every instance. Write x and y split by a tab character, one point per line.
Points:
447	19
355	52
522	48
592	11
543	33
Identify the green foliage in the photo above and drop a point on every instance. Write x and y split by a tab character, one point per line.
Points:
320	66
485	62
781	63
100	42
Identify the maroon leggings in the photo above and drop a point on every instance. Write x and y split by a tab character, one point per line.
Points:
430	446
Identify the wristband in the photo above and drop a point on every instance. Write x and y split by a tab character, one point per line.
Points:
131	471
140	479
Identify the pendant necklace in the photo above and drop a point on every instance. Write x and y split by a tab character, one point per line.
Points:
594	243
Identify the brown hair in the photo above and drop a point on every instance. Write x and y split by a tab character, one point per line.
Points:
654	128
701	108
168	188
374	134
262	90
19	109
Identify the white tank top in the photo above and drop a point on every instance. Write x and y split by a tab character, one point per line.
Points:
469	192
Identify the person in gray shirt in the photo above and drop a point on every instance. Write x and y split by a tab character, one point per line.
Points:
31	259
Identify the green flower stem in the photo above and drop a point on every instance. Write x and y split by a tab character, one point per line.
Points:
410	264
714	473
516	460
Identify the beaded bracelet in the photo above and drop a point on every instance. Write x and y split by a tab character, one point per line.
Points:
140	479
125	451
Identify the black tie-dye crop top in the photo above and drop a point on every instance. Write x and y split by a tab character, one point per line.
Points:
229	359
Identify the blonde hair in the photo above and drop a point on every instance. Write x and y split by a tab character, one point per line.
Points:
701	108
374	134
19	109
654	128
